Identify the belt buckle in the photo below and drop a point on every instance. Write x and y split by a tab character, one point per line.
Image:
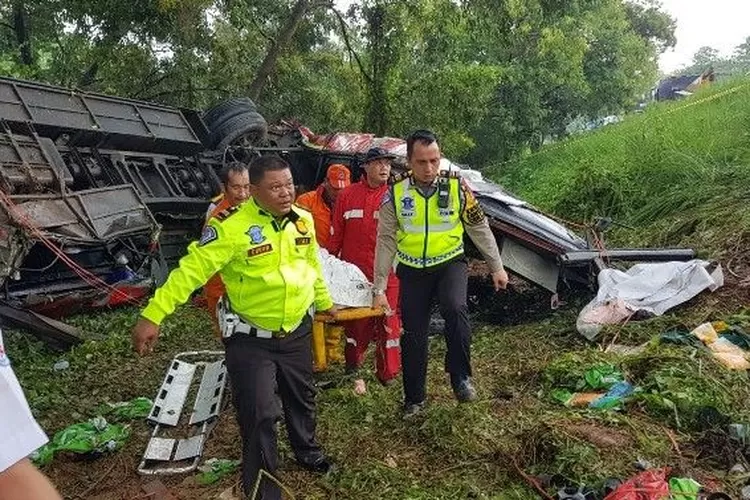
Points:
263	334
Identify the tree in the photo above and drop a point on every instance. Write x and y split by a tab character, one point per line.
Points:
705	56
279	44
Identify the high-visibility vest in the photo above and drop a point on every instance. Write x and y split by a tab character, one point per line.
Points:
270	268
428	234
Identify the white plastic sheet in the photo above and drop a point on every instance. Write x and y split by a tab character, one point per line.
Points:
346	282
652	288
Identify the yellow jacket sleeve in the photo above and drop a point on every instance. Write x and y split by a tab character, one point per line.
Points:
203	260
323	298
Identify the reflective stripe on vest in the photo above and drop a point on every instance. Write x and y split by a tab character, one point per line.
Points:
355	213
427	234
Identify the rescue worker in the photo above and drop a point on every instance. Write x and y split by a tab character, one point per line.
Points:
320	203
354	229
267	256
235	183
422	220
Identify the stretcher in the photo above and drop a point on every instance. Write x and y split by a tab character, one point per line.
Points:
323	320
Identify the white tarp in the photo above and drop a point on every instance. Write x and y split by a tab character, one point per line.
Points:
347	283
652	288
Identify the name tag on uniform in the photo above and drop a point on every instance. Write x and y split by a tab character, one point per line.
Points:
302	241
254	252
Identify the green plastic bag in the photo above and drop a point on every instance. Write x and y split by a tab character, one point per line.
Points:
602	377
93	436
215	469
561	395
127	410
683	488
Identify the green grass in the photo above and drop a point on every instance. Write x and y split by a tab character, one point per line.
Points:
451	451
678	173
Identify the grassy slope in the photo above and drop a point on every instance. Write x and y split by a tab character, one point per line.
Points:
678	175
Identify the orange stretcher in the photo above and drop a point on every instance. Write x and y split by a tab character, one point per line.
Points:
323	320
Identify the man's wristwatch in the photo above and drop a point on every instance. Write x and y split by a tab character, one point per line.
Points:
377	291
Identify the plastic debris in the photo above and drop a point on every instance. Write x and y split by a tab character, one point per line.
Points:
647	485
127	410
595	380
602	377
94	437
616	394
61	365
684	488
216	468
727	353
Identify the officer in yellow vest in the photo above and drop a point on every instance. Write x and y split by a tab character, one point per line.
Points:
267	256
422	220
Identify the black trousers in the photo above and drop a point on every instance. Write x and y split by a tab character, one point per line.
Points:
419	287
255	366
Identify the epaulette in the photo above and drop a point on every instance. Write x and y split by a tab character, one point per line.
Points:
224	214
302	209
399	176
453	174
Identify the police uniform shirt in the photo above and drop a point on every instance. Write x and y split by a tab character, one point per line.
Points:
21	435
472	217
270	268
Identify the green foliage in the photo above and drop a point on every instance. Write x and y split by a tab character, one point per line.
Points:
724	67
676	172
493	79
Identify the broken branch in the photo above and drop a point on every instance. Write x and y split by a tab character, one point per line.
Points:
345	35
533	482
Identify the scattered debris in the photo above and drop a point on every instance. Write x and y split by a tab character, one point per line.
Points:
61	365
597	378
55	334
683	488
127	410
647	485
647	290
164	453
614	397
91	438
216	468
724	350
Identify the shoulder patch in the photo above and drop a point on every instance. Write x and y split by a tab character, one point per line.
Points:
453	174
301	226
387	197
399	176
474	215
209	234
225	214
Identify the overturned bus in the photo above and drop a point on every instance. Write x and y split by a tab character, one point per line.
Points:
100	195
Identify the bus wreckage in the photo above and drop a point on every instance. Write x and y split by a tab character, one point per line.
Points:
100	195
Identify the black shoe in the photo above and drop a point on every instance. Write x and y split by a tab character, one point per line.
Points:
321	465
324	384
412	409
463	389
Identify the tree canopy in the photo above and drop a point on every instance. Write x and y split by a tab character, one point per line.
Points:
493	78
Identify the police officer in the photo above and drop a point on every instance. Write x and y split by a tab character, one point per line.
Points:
266	254
421	222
